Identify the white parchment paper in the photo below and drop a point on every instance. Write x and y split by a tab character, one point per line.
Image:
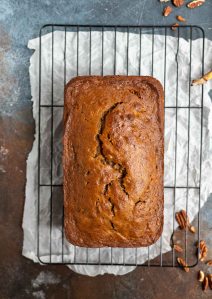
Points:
162	72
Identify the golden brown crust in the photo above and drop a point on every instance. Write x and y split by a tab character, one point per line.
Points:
113	161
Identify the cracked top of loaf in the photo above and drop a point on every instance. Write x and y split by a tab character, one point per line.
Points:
113	161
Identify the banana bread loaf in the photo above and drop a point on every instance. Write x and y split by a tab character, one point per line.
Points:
113	161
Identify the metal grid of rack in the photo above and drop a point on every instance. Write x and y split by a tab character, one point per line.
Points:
55	188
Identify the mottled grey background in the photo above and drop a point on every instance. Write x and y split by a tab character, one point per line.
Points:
20	20
19	277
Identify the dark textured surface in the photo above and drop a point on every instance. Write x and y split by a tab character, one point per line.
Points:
113	164
20	21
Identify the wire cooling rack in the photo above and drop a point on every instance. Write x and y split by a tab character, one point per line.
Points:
48	245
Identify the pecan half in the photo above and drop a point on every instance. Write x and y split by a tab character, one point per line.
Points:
182	264
167	10
181	19
201	276
203	79
178	3
182	218
179	219
174	26
192	229
203	250
205	283
195	3
209	263
177	248
210	280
